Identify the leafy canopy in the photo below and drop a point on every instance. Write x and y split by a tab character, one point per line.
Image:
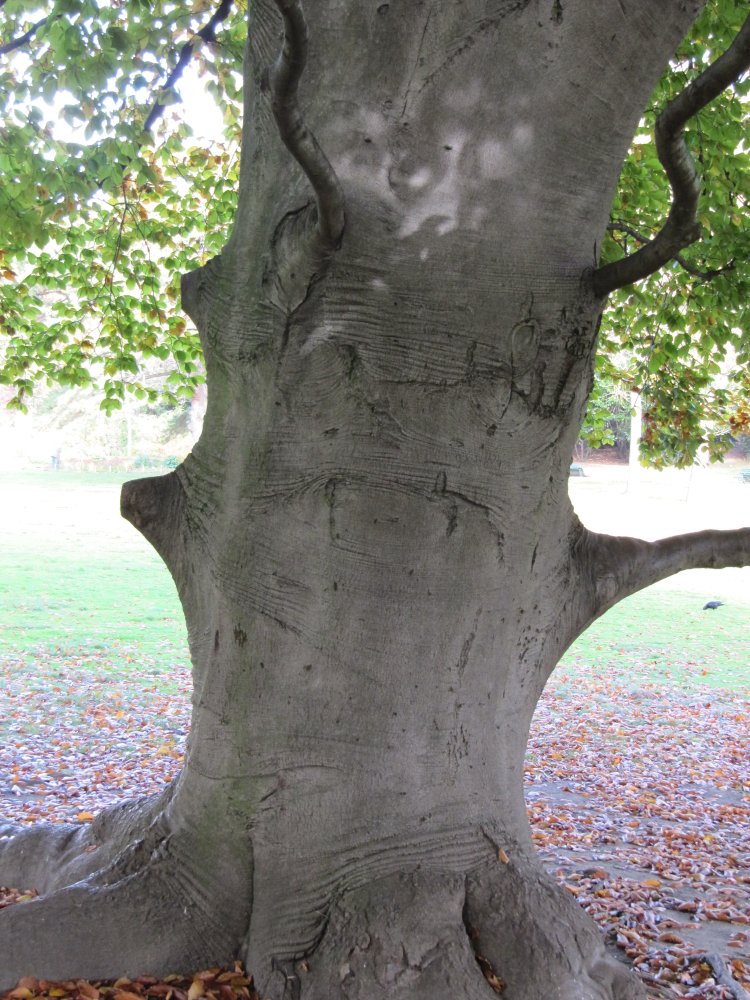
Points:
107	199
681	337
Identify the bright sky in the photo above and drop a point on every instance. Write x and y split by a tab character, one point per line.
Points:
198	107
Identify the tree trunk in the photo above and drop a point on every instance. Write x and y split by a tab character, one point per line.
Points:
372	540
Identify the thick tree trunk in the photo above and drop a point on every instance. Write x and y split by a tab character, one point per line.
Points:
372	540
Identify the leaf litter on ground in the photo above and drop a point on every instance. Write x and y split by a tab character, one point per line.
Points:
639	799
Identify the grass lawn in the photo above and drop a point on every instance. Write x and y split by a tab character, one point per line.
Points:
77	580
664	637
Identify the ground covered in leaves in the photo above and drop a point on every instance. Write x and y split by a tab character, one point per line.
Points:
208	984
639	798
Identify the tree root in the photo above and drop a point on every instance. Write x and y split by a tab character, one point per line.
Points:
397	938
48	856
723	976
155	894
154	898
538	939
505	930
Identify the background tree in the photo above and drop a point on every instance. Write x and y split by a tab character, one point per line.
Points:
372	540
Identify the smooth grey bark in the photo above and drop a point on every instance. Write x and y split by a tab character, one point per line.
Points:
372	540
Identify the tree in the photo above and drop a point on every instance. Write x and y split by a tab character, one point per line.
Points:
372	540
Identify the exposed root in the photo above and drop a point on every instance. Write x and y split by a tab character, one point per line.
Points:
153	899
507	930
397	938
158	895
537	940
48	856
723	976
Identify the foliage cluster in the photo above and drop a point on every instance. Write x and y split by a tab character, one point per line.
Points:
107	199
681	336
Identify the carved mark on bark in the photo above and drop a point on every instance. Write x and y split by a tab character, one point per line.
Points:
478	28
471	369
330	495
441	488
417	62
452	520
463	659
524	348
533	557
549	365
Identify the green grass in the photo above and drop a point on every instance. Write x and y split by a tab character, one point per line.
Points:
665	637
77	583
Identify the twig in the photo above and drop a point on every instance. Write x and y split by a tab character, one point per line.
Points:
18	43
723	976
283	78
622	227
682	227
206	34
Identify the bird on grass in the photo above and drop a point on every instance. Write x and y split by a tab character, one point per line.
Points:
713	605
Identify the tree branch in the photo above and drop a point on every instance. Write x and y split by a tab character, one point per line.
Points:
622	227
682	227
18	43
620	566
206	34
283	78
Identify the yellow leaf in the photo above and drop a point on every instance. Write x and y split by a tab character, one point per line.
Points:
84	816
87	990
197	989
502	856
